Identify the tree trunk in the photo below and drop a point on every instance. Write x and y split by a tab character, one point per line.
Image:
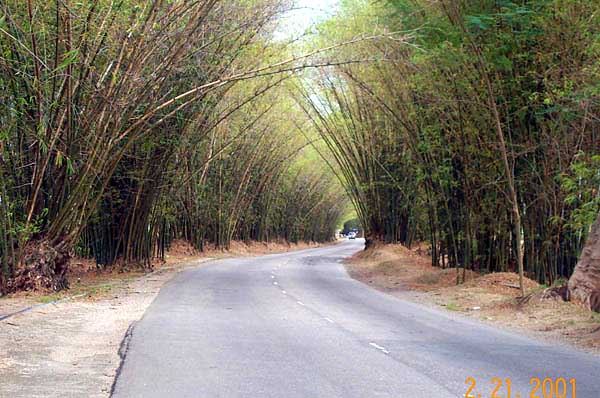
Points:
43	267
584	284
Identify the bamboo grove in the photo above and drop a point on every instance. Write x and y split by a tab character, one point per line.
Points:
470	125
126	124
481	137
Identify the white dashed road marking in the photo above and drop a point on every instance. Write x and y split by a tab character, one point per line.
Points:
284	292
329	320
275	283
301	303
380	348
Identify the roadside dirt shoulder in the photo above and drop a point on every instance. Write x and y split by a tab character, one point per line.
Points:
491	298
70	349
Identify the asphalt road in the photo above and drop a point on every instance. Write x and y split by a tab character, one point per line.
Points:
295	325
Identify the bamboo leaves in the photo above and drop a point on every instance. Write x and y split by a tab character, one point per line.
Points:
93	142
475	133
69	58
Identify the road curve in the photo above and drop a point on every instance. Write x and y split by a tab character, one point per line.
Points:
295	325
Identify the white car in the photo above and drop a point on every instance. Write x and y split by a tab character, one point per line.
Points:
352	235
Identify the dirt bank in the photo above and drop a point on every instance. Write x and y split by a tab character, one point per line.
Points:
70	348
491	298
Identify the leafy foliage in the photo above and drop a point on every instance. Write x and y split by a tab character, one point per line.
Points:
421	121
127	124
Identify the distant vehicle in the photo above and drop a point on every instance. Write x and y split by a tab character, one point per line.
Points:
352	235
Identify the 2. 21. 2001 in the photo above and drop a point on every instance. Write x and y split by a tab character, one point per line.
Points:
539	388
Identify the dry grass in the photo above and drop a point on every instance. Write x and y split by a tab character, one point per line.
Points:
490	298
397	267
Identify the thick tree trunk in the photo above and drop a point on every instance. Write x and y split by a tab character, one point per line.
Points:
584	284
43	267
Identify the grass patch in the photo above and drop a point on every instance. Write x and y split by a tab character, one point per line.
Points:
450	306
49	298
100	289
